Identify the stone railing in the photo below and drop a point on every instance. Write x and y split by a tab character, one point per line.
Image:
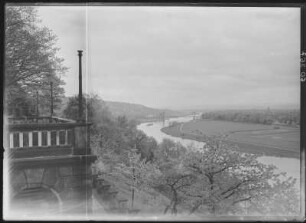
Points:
42	138
32	137
41	119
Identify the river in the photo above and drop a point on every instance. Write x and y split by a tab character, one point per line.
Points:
289	165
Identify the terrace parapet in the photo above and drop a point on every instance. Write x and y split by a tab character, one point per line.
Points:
47	139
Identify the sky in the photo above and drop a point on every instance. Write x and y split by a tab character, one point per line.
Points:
181	57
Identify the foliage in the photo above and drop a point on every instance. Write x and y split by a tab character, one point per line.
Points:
172	175
144	145
227	181
111	138
94	110
141	173
31	62
220	181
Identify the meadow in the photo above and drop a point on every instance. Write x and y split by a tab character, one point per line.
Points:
270	140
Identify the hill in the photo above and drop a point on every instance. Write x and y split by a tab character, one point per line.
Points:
137	111
130	110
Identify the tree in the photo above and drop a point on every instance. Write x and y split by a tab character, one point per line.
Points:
169	151
140	173
94	110
31	62
144	145
122	121
228	181
171	182
21	105
106	137
172	177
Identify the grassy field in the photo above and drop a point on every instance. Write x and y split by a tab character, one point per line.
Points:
252	138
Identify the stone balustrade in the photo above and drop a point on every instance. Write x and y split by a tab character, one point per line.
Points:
37	136
26	139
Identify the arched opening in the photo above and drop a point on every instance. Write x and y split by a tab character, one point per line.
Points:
40	199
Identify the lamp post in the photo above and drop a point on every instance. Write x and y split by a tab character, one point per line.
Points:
80	53
37	114
51	93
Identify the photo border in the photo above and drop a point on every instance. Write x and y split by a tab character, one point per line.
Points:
211	3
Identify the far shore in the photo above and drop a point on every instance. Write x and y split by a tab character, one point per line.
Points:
149	120
243	147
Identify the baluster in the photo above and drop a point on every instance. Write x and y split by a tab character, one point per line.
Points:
39	138
57	138
20	139
48	138
30	139
11	140
66	137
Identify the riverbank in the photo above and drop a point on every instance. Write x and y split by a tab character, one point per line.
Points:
153	119
254	148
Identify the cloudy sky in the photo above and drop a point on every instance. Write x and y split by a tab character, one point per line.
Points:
181	57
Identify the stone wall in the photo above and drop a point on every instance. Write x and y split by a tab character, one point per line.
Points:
72	186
